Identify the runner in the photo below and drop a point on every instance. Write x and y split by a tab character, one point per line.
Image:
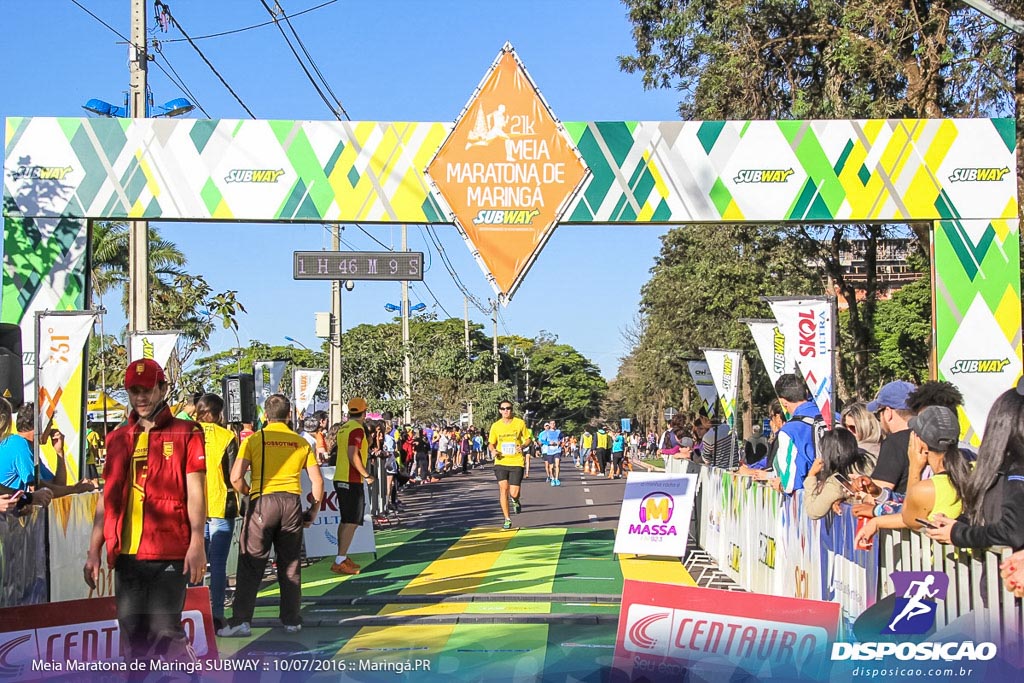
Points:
551	448
506	440
353	455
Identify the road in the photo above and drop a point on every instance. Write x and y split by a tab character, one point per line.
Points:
448	588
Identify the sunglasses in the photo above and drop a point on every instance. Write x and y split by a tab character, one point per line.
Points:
505	408
851	427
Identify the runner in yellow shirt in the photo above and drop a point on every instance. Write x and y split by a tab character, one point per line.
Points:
507	438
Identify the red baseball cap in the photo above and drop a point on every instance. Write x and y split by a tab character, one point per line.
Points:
145	373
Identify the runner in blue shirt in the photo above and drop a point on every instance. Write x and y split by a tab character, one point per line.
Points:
618	453
551	448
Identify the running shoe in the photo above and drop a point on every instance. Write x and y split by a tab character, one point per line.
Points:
293	628
552	482
557	482
240	631
507	525
347	567
517	507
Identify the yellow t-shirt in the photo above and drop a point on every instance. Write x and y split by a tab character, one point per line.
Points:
349	432
505	436
131	530
217	440
93	441
946	500
286	455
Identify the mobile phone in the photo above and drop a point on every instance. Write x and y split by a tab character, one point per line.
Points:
845	483
17	494
925	523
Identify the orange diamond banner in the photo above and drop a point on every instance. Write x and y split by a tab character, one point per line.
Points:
507	171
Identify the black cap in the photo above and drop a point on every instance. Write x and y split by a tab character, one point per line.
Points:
937	426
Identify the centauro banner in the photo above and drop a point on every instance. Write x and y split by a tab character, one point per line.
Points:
60	355
508	171
304	384
725	370
155	345
778	356
809	322
700	373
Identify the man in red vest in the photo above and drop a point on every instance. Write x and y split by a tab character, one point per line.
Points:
151	517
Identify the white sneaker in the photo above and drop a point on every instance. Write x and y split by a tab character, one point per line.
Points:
294	628
240	631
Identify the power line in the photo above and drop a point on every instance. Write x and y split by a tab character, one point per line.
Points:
299	60
312	62
249	28
435	240
161	6
179	83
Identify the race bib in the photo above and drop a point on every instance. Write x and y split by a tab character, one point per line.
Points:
508	449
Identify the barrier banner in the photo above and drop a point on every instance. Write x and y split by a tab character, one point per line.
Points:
666	631
60	360
849	576
655	515
43	641
725	371
808	321
777	356
155	345
22	560
321	539
700	373
268	374
304	384
71	519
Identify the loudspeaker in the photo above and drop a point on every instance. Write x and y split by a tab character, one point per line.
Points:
12	382
239	393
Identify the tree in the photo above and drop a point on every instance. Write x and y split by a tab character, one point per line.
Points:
704	280
790	59
109	259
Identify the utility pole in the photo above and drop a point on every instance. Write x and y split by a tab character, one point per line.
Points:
138	231
495	320
465	314
334	359
407	366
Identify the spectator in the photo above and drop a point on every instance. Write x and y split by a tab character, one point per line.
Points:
763	469
892	411
188	410
993	509
17	464
828	482
331	441
155	477
92	454
755	449
934	441
717	442
865	426
221	446
794	451
421	448
310	425
277	456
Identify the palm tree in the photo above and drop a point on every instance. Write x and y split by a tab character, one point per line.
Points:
109	267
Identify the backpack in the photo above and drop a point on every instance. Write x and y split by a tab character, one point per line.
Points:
818	429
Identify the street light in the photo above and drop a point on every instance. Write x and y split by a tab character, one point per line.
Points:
395	308
175	107
296	341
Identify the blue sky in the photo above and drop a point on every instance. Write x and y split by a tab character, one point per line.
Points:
386	60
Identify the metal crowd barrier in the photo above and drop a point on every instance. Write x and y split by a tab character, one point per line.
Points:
976	595
23	577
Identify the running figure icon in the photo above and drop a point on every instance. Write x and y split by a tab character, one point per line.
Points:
916	593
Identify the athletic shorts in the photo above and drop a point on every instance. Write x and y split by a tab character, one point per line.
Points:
552	458
513	475
350	502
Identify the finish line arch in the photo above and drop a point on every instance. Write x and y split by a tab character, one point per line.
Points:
507	172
